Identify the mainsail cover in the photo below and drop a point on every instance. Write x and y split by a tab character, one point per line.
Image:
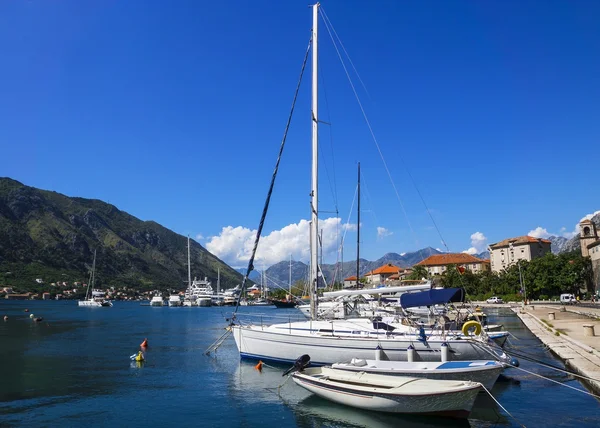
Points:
435	296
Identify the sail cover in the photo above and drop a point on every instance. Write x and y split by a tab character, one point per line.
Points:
432	297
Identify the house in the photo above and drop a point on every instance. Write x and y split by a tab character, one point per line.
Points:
438	263
350	282
39	280
45	296
508	252
382	273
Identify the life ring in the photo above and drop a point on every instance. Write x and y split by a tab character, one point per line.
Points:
469	325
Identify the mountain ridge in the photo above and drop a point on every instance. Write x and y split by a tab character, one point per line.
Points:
46	233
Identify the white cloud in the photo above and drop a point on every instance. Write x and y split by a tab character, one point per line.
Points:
234	244
478	243
382	232
540	232
199	237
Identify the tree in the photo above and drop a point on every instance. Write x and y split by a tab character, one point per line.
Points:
418	272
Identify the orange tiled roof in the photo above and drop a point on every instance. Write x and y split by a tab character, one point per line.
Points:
389	268
449	259
350	278
518	241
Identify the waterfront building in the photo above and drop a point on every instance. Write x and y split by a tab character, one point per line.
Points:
351	281
509	251
438	263
590	247
382	273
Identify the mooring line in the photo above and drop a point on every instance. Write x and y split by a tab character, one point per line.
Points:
501	406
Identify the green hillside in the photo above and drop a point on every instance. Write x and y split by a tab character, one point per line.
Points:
48	235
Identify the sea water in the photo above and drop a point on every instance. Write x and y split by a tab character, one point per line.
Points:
74	369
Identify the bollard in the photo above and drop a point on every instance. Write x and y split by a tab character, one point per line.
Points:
588	330
551	316
410	353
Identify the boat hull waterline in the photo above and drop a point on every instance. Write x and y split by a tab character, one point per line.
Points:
254	343
388	394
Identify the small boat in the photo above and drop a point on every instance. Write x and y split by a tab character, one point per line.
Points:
394	394
157	300
283	304
175	300
97	298
485	372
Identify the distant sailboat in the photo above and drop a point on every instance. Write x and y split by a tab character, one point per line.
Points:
96	298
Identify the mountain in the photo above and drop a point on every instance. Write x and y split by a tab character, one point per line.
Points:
254	275
483	255
558	243
278	274
48	235
573	244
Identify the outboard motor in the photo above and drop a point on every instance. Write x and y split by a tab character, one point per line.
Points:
300	364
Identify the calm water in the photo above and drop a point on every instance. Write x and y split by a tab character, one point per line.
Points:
73	369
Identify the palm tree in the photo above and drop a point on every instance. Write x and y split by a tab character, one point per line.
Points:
419	272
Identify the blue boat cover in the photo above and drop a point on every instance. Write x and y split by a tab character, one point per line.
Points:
432	297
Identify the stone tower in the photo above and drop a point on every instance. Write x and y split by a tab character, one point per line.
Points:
587	236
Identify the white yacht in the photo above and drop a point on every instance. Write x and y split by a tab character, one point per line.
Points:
157	300
201	292
175	300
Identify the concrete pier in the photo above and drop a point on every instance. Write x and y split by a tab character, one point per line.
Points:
567	334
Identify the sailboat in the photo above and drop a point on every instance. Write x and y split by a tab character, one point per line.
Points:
330	341
290	302
96	298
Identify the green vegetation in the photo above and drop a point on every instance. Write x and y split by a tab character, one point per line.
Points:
51	236
550	275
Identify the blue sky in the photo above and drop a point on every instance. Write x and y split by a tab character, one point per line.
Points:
174	111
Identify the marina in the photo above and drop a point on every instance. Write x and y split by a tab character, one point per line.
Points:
55	364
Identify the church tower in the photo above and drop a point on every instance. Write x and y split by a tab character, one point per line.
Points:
588	235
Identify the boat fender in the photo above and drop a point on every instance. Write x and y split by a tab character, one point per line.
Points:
378	352
31	316
469	325
410	353
514	362
444	349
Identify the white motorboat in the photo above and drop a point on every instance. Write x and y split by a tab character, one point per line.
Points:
408	395
97	298
485	372
157	300
175	300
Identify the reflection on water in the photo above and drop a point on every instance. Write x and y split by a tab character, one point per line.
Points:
74	369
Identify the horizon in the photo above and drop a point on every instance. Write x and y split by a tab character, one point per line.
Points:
174	114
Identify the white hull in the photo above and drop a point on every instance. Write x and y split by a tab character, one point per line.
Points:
204	301
175	304
94	303
388	394
484	372
277	343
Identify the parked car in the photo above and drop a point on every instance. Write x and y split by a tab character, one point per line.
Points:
568	299
494	300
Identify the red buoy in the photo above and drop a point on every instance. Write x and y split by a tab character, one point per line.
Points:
144	344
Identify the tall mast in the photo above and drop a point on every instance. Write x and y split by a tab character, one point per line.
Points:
218	280
358	231
314	200
189	266
290	279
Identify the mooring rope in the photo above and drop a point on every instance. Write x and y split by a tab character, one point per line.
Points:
501	406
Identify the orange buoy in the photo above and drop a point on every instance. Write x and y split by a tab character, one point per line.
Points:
144	344
259	366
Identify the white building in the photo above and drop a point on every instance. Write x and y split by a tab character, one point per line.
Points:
508	252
